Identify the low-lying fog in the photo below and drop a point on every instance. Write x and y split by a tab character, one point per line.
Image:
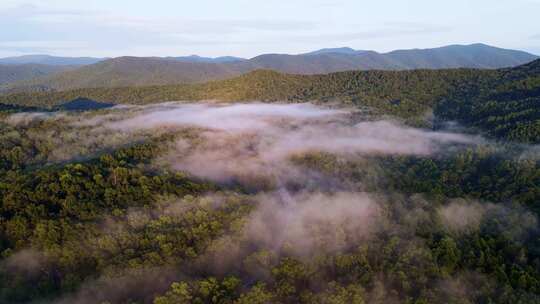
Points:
254	144
240	141
245	141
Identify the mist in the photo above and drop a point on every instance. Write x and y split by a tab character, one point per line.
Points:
22	119
236	138
253	152
254	142
465	216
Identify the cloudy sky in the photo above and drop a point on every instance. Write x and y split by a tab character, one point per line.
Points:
250	27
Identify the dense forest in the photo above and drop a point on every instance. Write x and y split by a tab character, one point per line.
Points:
369	194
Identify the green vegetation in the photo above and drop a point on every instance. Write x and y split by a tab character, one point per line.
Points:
501	103
18	72
94	214
144	71
507	106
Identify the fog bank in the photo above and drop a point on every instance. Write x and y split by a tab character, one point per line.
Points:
244	142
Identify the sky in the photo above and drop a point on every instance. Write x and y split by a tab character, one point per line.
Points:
247	28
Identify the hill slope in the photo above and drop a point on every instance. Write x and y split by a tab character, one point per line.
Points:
473	56
14	73
453	56
504	103
507	106
132	71
195	58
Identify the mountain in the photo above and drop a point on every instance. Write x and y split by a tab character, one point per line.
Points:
131	71
140	71
503	103
342	50
14	73
49	60
506	106
195	58
312	64
454	56
473	56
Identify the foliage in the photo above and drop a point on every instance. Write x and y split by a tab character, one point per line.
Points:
104	223
503	103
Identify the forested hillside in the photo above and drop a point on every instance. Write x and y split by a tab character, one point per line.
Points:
368	197
503	103
130	71
508	106
145	71
14	73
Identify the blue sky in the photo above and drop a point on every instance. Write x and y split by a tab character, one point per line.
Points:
250	27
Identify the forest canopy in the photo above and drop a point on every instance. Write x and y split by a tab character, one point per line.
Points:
262	203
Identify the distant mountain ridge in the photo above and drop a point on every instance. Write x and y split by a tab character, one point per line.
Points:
504	103
196	58
342	50
50	60
13	73
132	71
143	71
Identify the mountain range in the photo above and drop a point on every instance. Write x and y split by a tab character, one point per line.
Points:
502	103
49	60
14	73
196	58
140	71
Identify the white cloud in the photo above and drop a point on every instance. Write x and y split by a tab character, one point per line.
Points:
253	142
